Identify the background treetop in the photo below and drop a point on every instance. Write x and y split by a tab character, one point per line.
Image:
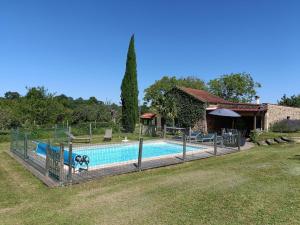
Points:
235	87
293	101
11	95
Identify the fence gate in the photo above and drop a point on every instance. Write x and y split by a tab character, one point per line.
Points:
55	162
231	140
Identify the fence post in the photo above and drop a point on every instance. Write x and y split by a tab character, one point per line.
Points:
47	158
165	131
190	134
215	144
17	139
61	163
184	147
70	162
90	132
55	135
25	146
140	154
239	140
12	138
140	130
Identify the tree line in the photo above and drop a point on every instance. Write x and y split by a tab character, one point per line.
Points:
39	107
293	101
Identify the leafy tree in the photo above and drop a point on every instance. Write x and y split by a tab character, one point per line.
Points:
129	91
167	108
40	106
12	95
36	93
293	101
155	93
93	100
79	101
68	102
236	87
5	118
84	113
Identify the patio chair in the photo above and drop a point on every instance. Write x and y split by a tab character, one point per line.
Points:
107	135
230	139
205	138
193	136
231	131
223	131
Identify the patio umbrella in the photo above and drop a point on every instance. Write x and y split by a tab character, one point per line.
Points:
225	113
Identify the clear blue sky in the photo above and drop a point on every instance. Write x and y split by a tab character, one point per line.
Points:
79	47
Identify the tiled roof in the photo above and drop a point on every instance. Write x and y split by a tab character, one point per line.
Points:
203	96
207	97
243	107
148	116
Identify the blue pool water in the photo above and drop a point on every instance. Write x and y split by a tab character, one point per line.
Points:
102	155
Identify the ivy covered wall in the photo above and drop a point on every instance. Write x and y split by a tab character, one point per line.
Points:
190	111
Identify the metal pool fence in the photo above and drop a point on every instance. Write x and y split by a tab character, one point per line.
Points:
58	161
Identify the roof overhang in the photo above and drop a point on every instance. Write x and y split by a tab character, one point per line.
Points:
148	116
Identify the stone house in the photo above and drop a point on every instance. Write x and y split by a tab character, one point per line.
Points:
253	116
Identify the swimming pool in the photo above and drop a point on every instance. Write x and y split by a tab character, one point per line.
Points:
121	153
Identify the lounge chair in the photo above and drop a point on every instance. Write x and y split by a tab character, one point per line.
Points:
107	135
78	139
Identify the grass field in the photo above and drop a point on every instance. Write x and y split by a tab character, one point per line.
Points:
259	186
272	135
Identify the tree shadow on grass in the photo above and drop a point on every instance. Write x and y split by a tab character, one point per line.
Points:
295	157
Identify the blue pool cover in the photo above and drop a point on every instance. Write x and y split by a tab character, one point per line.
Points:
41	149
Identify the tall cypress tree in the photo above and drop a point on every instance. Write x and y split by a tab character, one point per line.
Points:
129	91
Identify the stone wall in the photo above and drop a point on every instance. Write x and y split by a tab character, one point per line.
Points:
276	113
201	125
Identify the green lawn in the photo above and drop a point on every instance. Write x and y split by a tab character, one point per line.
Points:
259	186
272	135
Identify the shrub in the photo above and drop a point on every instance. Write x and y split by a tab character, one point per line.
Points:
254	135
286	126
4	138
